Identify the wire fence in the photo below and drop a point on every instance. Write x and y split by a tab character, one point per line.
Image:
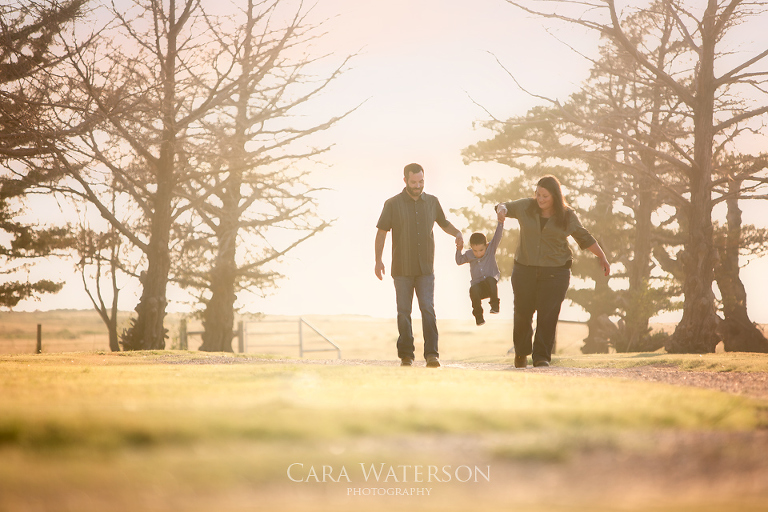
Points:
83	331
276	336
35	340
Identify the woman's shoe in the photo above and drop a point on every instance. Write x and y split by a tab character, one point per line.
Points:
433	362
521	361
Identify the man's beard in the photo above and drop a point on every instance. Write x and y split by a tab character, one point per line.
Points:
414	192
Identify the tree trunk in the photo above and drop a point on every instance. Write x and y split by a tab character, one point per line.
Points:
738	332
111	320
148	331
114	338
638	310
601	306
637	317
219	314
697	330
601	330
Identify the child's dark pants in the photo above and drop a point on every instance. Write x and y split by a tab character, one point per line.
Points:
484	290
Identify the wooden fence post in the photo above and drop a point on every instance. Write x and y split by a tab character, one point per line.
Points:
241	336
183	335
301	339
39	338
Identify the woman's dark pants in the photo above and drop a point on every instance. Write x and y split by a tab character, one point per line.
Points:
541	290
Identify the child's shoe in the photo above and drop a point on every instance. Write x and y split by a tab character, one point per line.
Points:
479	320
495	307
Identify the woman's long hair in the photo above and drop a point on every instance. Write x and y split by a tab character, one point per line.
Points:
552	185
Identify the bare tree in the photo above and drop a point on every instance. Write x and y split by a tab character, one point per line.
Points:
258	206
151	77
105	261
92	246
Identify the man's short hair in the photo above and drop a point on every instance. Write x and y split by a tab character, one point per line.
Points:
412	169
477	239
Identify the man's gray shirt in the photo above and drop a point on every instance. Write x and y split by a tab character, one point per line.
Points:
411	222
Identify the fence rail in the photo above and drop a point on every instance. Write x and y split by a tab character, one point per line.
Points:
243	336
301	341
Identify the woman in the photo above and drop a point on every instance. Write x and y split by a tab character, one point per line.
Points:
541	272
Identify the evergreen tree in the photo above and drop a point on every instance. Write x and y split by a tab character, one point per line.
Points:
711	112
28	54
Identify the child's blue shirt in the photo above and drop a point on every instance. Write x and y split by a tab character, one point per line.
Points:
482	268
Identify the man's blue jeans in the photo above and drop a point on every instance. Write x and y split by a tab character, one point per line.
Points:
424	286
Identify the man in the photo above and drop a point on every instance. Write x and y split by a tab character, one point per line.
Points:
411	215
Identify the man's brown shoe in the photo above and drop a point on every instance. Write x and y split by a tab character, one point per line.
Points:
433	362
521	361
406	361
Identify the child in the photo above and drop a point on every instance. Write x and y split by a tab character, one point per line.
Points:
483	270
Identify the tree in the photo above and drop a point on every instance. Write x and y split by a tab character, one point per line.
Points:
92	246
532	145
600	169
103	255
27	246
27	54
27	50
150	78
733	240
258	207
713	112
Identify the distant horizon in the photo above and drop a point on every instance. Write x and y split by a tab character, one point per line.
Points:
299	315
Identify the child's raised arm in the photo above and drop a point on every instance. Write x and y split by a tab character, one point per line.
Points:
462	257
494	243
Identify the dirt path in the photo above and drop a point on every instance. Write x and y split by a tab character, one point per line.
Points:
751	384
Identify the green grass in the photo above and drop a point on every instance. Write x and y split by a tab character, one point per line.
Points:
64	400
107	426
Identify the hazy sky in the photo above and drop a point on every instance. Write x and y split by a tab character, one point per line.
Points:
420	65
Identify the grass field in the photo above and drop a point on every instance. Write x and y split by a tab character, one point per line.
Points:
360	337
187	431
